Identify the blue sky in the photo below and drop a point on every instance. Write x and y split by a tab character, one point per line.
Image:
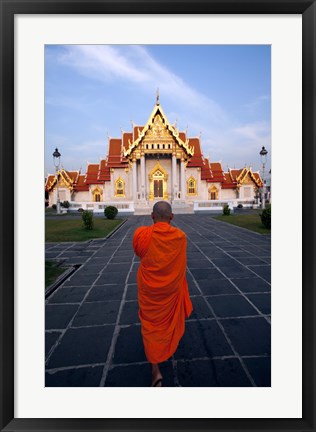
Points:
219	92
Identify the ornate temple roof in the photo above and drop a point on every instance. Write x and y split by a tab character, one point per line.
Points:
157	126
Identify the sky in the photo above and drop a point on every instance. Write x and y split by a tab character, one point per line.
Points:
221	93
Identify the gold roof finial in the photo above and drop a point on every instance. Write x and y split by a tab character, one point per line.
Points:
157	97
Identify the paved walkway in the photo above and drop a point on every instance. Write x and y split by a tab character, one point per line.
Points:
92	326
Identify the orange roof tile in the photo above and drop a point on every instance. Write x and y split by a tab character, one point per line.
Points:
104	172
127	136
81	184
217	172
196	160
137	130
92	174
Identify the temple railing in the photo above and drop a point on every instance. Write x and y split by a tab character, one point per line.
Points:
98	207
218	205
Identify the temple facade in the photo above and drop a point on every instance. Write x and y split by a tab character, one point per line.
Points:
151	163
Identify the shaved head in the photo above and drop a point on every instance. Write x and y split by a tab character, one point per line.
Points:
162	212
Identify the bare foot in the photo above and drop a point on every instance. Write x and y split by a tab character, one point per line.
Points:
156	376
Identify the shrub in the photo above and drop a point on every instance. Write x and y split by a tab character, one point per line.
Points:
54	206
226	210
87	218
110	212
266	217
65	204
80	210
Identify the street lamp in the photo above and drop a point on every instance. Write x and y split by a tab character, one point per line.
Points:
56	158
263	154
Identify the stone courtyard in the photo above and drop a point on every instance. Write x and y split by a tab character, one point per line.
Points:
92	327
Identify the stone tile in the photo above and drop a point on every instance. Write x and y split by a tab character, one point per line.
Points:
262	302
88	269
224	262
251	261
216	286
132	278
50	340
252	285
260	370
112	277
193	289
59	316
249	336
264	271
239	253
202	339
199	264
135	266
105	293
129	313
237	271
211	273
118	267
121	259
80	377
231	306
97	313
212	373
82	346
200	308
79	280
68	295
132	292
129	346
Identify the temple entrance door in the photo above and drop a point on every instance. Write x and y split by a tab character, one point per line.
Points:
158	183
158	188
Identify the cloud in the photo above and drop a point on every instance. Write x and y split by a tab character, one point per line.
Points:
254	131
134	64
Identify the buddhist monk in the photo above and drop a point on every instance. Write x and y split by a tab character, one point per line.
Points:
163	294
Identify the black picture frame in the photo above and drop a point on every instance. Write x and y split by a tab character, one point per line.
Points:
8	9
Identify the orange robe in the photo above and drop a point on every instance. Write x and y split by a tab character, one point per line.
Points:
163	294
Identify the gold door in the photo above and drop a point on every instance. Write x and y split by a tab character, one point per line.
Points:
158	188
158	183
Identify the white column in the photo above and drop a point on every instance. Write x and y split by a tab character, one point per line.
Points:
174	176
183	194
142	175
134	168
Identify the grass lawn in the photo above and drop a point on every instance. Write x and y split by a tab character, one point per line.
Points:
68	230
250	221
52	272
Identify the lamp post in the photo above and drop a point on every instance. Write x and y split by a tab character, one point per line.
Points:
263	154
56	158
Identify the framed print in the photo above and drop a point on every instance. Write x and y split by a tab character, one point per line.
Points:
27	29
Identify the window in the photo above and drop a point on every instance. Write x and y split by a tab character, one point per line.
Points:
213	193
120	188
191	184
97	195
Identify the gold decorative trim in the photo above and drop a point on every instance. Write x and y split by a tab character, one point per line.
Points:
193	180
156	129
119	185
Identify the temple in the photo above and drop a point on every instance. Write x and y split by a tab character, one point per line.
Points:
150	163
